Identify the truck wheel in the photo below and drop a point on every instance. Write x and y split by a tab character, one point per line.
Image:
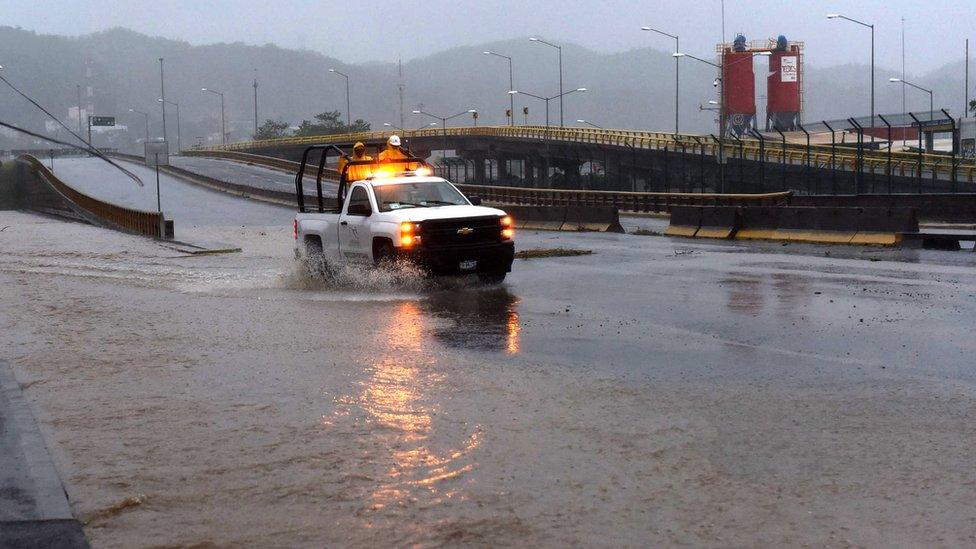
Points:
491	278
315	258
383	253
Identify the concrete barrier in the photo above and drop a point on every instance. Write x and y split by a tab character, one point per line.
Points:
885	226
685	221
718	222
604	219
565	218
865	226
34	187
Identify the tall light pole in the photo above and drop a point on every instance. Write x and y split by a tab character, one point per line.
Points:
78	89
146	114
348	115
255	103
223	126
162	101
917	87
511	85
561	94
547	99
870	26
677	48
444	120
179	139
591	124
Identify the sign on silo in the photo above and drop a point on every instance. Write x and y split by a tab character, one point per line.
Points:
788	68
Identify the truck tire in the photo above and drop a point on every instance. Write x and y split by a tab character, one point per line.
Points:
383	253
492	278
315	258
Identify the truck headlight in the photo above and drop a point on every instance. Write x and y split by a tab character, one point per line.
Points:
508	228
408	234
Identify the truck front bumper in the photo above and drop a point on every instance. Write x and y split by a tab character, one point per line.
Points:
483	258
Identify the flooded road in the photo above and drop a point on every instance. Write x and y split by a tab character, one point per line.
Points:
656	392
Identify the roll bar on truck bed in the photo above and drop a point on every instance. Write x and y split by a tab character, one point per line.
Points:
325	149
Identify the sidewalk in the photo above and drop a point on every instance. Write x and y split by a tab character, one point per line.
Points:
34	511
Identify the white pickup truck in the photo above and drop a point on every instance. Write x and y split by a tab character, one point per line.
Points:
405	214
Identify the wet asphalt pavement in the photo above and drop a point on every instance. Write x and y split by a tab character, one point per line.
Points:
188	205
657	392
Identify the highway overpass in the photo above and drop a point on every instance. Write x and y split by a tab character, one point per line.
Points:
590	158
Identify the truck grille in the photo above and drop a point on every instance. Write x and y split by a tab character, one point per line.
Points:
461	232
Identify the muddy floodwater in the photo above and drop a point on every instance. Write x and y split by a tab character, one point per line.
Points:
656	392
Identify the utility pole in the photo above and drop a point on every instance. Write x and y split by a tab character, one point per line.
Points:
162	94
965	111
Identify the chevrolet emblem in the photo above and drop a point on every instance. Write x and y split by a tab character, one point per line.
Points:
465	231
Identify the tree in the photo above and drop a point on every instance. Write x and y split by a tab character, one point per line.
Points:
272	129
330	123
972	105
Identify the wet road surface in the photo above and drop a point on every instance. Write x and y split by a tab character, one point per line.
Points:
188	205
249	174
660	391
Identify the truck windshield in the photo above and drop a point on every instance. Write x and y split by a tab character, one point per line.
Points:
426	194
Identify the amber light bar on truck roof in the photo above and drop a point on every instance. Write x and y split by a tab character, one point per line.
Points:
422	171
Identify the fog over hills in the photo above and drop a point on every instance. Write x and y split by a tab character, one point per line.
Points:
632	89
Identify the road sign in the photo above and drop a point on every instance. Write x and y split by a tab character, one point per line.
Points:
102	120
157	153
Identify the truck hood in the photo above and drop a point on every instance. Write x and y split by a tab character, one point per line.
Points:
446	212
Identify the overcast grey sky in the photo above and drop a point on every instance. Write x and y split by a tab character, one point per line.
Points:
357	31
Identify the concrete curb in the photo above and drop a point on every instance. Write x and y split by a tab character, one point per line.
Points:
34	510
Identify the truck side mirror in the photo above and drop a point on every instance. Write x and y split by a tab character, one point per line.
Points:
475	200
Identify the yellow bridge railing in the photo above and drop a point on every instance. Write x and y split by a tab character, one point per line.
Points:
902	164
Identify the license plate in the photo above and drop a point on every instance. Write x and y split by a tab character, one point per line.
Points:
469	265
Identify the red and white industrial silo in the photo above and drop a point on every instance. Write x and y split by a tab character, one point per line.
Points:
784	86
738	87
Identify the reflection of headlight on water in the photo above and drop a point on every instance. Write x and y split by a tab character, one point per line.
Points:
513	328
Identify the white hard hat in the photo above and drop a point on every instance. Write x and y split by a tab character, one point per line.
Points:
395	140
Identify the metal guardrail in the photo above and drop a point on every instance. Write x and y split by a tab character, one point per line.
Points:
904	164
115	216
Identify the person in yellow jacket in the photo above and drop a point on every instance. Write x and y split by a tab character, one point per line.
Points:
392	152
356	173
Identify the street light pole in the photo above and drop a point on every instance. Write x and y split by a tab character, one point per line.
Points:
561	94
162	102
444	120
547	99
870	26
255	103
926	90
179	138
511	86
145	114
677	48
78	89
588	123
223	126
348	114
